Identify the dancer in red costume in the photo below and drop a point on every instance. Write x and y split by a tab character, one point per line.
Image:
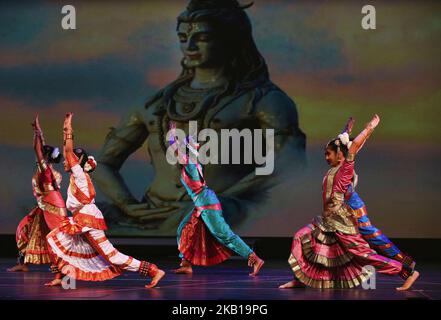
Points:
50	210
330	252
80	242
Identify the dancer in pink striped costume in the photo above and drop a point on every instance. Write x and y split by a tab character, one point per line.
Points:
79	246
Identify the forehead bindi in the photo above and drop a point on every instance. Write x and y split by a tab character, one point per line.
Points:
194	27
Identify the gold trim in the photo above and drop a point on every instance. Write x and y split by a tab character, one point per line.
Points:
35	185
37	258
330	181
316	258
58	177
53	209
350	157
322	237
327	284
42	165
48	187
336	223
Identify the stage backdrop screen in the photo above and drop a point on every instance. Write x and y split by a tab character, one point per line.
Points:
118	67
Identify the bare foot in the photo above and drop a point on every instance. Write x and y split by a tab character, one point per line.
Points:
292	284
54	283
409	281
256	267
19	268
159	275
184	270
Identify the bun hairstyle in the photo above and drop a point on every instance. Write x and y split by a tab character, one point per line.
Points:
338	145
88	163
52	154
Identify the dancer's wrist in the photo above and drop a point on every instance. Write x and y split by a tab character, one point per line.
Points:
68	136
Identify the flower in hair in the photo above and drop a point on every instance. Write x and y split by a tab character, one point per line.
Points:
90	164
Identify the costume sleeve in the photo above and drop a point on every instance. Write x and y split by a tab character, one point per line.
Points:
80	179
192	171
343	178
42	165
47	179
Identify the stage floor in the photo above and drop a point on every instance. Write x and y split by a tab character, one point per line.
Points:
229	281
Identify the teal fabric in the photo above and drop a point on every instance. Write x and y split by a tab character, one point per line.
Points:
217	226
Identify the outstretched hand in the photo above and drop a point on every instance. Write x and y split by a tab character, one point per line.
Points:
172	125
172	132
67	127
371	125
36	124
349	125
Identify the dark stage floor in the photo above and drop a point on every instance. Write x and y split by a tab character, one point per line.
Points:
229	281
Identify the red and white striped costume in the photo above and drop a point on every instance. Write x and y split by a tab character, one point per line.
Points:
80	241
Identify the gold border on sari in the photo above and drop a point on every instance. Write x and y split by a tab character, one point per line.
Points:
327	284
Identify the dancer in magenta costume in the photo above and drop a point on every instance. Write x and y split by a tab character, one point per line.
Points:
330	252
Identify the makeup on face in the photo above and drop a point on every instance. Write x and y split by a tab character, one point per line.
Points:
195	39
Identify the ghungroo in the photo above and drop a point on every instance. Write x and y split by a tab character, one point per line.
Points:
54	269
252	259
148	269
408	264
20	258
405	273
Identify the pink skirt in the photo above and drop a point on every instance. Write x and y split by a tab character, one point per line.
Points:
335	260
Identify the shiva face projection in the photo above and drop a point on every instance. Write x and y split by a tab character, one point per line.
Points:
199	46
224	84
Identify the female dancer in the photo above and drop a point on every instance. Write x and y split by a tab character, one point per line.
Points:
50	210
80	242
330	252
204	237
376	239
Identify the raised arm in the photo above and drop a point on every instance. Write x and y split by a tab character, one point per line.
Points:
177	143
359	141
68	144
38	142
349	125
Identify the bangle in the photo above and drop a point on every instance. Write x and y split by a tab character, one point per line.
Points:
350	157
68	136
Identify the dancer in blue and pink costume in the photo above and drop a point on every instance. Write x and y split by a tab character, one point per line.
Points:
376	239
204	237
332	251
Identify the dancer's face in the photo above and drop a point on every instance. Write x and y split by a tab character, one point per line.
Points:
333	158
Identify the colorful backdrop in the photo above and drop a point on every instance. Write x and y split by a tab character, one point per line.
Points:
122	52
